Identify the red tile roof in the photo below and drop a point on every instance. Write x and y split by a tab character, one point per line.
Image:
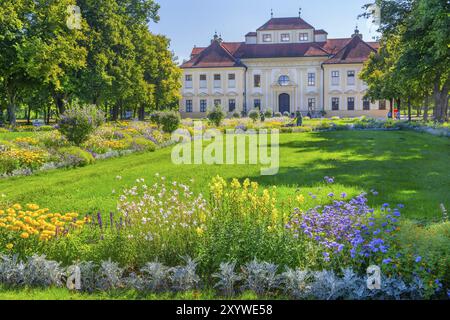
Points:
280	50
355	51
285	24
320	31
228	54
215	56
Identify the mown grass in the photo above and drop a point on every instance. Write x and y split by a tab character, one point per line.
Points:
64	294
404	167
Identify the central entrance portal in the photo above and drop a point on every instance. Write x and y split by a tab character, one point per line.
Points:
284	103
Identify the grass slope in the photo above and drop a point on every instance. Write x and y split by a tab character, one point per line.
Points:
404	167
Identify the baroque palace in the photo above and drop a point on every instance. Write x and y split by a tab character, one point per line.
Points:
286	66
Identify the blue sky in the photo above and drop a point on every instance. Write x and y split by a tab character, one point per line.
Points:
193	22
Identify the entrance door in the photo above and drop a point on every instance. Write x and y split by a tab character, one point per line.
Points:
284	101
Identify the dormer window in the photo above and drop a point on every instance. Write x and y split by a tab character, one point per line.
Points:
285	37
303	37
283	80
267	37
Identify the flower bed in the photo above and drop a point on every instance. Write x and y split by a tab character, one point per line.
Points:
50	149
240	235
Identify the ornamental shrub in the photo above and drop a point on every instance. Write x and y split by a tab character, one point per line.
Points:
216	116
76	157
268	113
78	122
143	144
254	115
169	121
236	115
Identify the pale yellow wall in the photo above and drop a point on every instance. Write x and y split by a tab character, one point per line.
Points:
225	93
294	36
344	91
271	69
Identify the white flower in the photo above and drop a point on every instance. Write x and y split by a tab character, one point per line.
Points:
118	178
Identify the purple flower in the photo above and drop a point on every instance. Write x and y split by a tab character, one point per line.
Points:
329	180
331	194
326	256
343	195
387	261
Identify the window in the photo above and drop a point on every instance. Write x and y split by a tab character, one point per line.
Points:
202	105
351	78
188	81
311	79
335	78
334	104
231	80
283	80
285	37
303	37
366	104
217	102
267	38
217	82
350	103
188	105
257	104
257	81
312	104
382	105
203	83
231	105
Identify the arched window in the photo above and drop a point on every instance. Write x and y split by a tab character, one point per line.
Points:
283	80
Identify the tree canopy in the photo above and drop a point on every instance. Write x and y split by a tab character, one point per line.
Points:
413	60
108	58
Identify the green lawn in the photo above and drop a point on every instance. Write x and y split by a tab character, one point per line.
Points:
404	167
64	294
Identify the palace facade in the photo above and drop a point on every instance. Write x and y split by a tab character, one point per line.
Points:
286	66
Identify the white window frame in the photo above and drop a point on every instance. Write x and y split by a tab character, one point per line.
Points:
285	37
188	84
256	84
232	82
335	78
313	82
333	100
351	99
203	83
217	82
303	36
351	82
229	104
312	103
189	106
203	105
267	37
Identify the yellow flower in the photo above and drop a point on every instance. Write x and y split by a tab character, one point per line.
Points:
17	206
33	207
300	198
199	231
9	246
25	235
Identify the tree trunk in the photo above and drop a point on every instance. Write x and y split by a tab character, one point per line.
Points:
440	101
399	108
28	115
391	108
115	112
409	109
141	113
425	108
60	101
11	109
